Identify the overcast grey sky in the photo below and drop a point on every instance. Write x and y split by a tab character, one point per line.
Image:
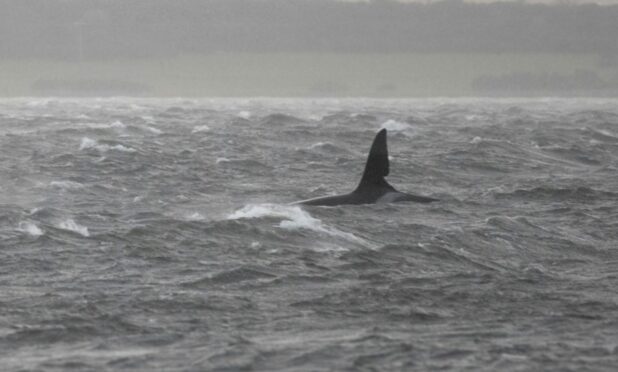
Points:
288	47
602	2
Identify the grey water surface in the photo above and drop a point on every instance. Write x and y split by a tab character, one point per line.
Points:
156	234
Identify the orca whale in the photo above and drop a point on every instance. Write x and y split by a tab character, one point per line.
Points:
372	188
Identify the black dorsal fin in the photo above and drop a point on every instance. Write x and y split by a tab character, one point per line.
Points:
377	166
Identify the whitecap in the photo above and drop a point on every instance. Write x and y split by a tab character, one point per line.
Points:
222	160
71	225
147	118
118	125
201	128
154	130
121	148
89	143
30	228
136	107
195	217
535	268
294	218
66	185
395	126
605	133
318	144
244	115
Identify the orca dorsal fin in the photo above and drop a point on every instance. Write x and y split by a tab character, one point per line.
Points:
377	166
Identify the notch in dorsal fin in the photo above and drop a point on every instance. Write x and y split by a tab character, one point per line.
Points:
377	166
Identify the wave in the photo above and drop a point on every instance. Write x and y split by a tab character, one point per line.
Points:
153	130
88	143
249	165
195	216
396	126
118	125
328	148
30	228
236	275
280	119
121	126
71	225
245	115
569	193
200	128
66	185
294	218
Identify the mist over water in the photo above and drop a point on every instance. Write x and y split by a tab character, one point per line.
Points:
156	234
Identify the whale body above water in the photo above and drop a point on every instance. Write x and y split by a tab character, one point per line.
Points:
372	188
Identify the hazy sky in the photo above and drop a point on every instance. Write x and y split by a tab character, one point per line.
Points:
307	47
603	2
102	29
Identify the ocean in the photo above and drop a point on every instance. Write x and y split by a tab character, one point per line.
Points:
159	235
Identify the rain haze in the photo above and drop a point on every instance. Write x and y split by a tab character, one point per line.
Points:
308	185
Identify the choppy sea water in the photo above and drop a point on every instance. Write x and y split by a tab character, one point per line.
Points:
144	234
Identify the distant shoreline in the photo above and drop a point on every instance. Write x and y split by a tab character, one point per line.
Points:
398	75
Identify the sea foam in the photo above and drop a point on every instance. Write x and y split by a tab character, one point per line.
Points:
66	185
30	228
294	218
71	225
201	128
88	143
395	126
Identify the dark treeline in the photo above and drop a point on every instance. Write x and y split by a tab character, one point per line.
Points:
94	29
